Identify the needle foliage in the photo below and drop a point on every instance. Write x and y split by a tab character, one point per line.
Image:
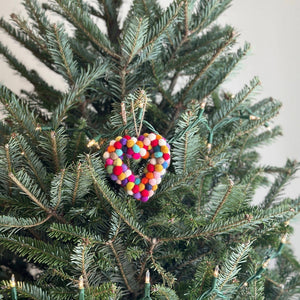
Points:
159	70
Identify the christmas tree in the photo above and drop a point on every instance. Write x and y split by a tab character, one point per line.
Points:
89	196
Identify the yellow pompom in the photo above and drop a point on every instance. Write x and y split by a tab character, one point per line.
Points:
118	138
130	143
129	186
158	168
164	149
154	188
118	162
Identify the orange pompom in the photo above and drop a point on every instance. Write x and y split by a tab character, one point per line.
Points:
141	186
111	149
149	175
145	180
140	144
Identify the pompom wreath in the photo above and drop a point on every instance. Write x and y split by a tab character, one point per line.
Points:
147	146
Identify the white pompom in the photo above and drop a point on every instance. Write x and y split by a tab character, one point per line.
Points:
106	155
151	136
153	161
162	142
128	173
143	151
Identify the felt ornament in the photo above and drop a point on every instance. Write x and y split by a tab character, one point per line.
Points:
150	146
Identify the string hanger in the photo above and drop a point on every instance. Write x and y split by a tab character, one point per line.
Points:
141	102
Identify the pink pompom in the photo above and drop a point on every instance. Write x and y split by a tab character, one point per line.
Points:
146	142
136	156
109	161
156	175
131	178
151	193
152	181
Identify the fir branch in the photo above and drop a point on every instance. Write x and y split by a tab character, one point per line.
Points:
199	196
165	292
134	37
24	40
29	291
284	212
201	275
9	168
37	14
36	251
32	76
166	95
280	182
207	66
147	256
187	140
68	232
23	25
111	17
54	151
111	199
19	112
168	23
228	107
86	56
83	22
53	145
186	19
56	193
166	276
231	266
64	276
74	96
115	227
163	24
207	12
61	53
110	243
78	174
223	200
27	192
83	265
33	161
82	259
7	222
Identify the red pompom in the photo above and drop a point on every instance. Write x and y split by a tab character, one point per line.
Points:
117	145
135	189
151	168
166	156
117	170
127	137
145	193
154	143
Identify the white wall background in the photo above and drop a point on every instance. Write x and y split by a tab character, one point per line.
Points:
273	29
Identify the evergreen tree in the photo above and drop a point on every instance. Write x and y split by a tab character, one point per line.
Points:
200	235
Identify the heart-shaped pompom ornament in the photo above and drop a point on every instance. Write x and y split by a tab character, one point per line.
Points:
149	146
